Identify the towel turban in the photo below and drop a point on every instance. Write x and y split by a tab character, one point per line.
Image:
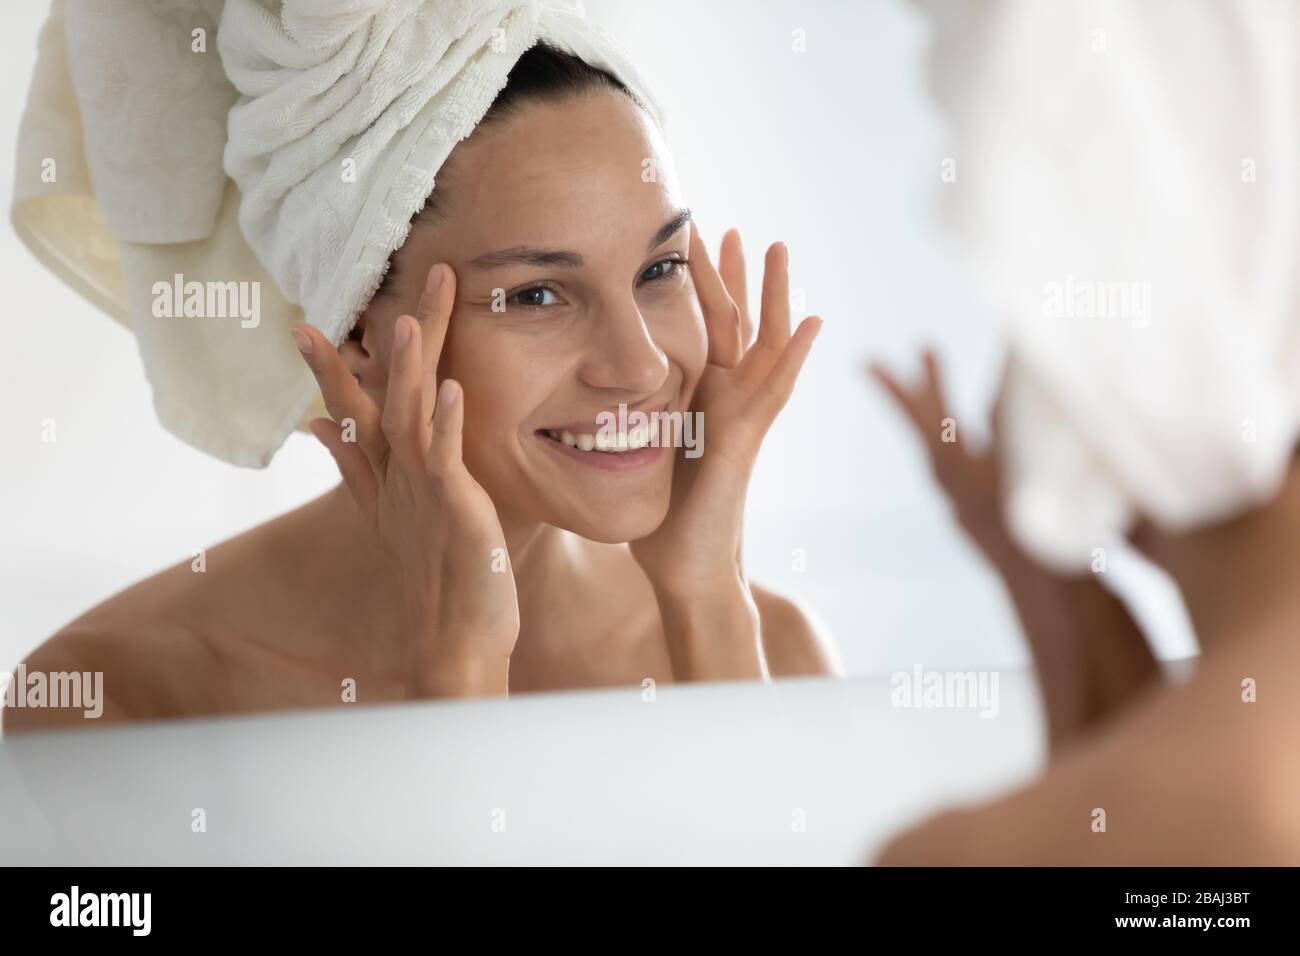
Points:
224	155
1125	192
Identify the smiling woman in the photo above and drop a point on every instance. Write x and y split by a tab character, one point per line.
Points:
486	538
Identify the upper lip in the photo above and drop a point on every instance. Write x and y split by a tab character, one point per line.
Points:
592	426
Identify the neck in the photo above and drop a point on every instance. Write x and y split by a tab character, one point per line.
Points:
1242	575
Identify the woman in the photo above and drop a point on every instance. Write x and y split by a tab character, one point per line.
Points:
1136	767
473	548
1201	774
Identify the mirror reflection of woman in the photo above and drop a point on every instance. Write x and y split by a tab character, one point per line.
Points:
481	542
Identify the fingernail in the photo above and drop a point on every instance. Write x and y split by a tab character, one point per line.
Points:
435	278
302	340
447	393
403	334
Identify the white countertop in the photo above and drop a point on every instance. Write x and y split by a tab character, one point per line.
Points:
806	771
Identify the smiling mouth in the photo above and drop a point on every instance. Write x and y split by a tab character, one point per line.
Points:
601	442
634	448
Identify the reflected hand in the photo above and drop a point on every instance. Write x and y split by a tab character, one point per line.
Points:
694	559
740	393
434	522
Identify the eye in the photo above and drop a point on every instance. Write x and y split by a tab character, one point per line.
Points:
663	269
534	297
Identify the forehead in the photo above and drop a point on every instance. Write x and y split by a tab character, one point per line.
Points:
586	170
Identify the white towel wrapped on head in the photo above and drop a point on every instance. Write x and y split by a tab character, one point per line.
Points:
1126	193
277	146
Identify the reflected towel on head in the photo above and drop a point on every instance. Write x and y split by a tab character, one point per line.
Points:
1124	186
211	172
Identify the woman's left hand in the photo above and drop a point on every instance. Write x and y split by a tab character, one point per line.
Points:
693	559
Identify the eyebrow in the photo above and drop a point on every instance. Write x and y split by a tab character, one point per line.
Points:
531	256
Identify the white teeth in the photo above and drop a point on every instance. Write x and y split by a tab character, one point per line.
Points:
619	443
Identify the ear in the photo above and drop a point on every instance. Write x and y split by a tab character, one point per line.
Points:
364	359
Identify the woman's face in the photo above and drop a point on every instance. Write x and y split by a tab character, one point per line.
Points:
569	241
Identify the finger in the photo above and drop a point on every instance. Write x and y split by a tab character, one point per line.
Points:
934	378
936	401
774	310
925	407
434	316
721	314
779	383
731	266
357	474
999	404
901	396
342	393
448	420
403	401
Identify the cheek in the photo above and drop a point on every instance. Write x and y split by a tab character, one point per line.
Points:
680	333
500	383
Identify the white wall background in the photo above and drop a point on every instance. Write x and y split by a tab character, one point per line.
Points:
835	150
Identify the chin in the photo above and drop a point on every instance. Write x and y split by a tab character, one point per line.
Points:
617	524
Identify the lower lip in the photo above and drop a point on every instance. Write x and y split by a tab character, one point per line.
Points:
619	461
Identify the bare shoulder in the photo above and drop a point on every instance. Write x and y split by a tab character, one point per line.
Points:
133	657
168	645
43	694
795	642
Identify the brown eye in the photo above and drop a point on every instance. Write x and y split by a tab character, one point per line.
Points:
534	298
663	269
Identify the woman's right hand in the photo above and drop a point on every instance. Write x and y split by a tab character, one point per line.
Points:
402	465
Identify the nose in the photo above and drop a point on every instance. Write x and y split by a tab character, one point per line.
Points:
623	355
